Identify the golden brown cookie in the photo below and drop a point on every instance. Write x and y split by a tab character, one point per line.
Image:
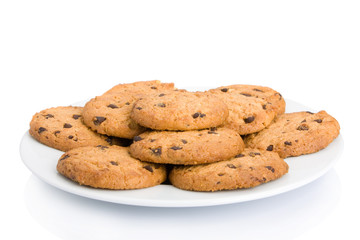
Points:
294	134
249	169
246	114
62	128
179	110
110	114
188	147
147	87
274	99
110	168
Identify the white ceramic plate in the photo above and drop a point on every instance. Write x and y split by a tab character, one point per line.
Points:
42	160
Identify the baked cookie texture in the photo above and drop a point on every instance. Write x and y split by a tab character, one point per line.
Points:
298	133
180	110
110	114
249	169
62	128
109	168
145	87
187	147
274	99
247	114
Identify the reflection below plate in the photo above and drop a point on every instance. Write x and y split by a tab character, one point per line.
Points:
42	160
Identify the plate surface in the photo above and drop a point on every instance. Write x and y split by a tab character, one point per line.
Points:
42	161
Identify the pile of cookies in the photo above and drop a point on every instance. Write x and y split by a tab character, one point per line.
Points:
141	134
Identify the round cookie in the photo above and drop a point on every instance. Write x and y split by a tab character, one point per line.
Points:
249	169
110	114
110	168
246	114
274	99
62	128
179	110
294	134
188	147
146	87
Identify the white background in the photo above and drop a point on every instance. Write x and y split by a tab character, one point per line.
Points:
55	53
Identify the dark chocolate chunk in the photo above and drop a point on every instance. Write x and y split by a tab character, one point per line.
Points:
67	125
161	94
41	129
112	106
212	132
56	133
183	141
221	174
76	116
303	127
152	140
202	115
264	106
114	163
153	87
231	165
258	90
161	105
270	168
224	89
288	143
70	137
249	119
149	168
196	115
253	154
139	108
270	148
246	94
98	120
239	155
303	121
127	103
102	147
137	138
176	148
318	120
310	112
49	116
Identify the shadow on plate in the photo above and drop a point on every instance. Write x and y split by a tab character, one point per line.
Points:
284	216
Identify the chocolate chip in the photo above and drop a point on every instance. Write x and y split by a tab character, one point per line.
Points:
246	94
253	154
156	151
49	116
221	174
127	103
41	129
99	120
70	137
270	168
213	129
303	121
152	140
258	90
102	147
183	141
114	163
161	105
288	143
249	119
212	132
196	115
64	157
318	120
224	89
303	127
56	133
270	148
161	94
264	106
280	96
76	116
109	140
176	148
310	112
202	115
149	168
153	87
112	106
239	155
139	108
67	125
231	166
137	138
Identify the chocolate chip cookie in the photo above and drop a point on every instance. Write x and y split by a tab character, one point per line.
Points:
247	114
294	134
179	110
187	147
110	168
62	128
249	169
146	87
